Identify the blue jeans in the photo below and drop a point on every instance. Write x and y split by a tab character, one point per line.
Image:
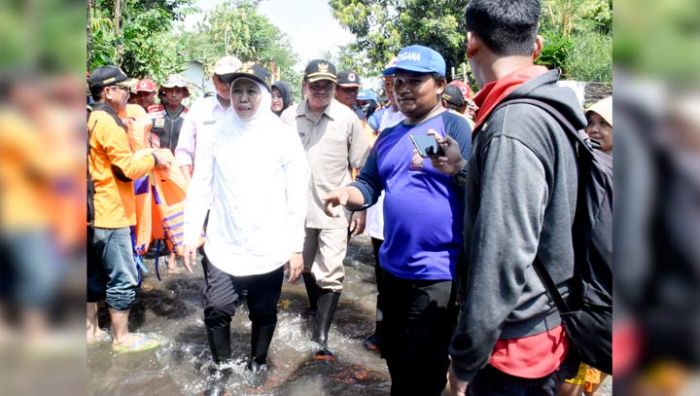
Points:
35	267
490	381
112	271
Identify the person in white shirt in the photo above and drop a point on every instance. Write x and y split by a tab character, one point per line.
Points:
204	116
253	177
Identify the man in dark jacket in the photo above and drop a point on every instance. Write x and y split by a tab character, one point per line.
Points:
521	184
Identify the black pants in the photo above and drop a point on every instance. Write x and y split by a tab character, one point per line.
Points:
222	290
490	381
419	320
376	245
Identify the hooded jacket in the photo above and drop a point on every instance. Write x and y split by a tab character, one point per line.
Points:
521	192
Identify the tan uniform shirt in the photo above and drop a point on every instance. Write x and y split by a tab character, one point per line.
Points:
334	144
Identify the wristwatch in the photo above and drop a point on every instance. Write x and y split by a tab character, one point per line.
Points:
460	178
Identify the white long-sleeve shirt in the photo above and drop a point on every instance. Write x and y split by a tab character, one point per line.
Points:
199	125
255	184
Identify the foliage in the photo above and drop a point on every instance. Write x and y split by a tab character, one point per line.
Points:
144	44
578	38
236	28
45	36
661	38
577	33
382	28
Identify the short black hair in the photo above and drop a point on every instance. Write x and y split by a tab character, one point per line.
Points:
506	27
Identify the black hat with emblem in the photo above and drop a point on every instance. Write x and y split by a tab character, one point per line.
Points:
348	78
106	76
320	69
251	70
453	95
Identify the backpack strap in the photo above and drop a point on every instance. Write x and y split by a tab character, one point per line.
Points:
579	142
571	131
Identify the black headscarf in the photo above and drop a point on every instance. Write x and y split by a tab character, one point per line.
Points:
286	92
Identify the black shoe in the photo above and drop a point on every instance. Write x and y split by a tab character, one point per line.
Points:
257	373
216	382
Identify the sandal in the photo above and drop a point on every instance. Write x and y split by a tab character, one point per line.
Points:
136	343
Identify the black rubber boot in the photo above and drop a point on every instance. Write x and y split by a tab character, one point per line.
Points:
260	338
220	343
312	290
327	303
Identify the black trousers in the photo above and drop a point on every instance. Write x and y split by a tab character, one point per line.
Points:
376	245
490	381
419	320
222	290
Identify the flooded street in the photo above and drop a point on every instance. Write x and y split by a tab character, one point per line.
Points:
172	310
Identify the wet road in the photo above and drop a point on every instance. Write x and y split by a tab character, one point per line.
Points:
171	310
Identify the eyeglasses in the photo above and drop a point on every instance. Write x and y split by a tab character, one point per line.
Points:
321	86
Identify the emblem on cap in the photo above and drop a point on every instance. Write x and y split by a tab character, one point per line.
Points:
323	67
352	77
247	68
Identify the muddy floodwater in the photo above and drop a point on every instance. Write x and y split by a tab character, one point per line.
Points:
171	309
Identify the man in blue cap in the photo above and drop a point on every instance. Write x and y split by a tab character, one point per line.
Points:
422	225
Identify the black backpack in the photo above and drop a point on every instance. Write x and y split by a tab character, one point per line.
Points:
587	312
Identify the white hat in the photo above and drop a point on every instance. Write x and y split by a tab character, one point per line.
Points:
227	65
173	81
604	108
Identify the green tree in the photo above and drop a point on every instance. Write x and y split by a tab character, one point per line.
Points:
236	28
577	33
578	38
135	34
382	28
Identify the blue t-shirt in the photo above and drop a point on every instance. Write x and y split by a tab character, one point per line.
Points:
423	207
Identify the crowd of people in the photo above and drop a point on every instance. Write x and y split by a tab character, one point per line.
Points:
274	186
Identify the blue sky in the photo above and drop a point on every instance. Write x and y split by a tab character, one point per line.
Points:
308	24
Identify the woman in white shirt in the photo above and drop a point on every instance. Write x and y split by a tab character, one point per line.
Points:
253	178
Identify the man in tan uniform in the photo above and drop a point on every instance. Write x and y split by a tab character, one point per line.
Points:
335	143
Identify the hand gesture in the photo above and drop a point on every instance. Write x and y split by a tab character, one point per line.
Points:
296	265
163	159
358	222
335	198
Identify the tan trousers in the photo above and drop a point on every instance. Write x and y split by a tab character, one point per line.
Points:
324	252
